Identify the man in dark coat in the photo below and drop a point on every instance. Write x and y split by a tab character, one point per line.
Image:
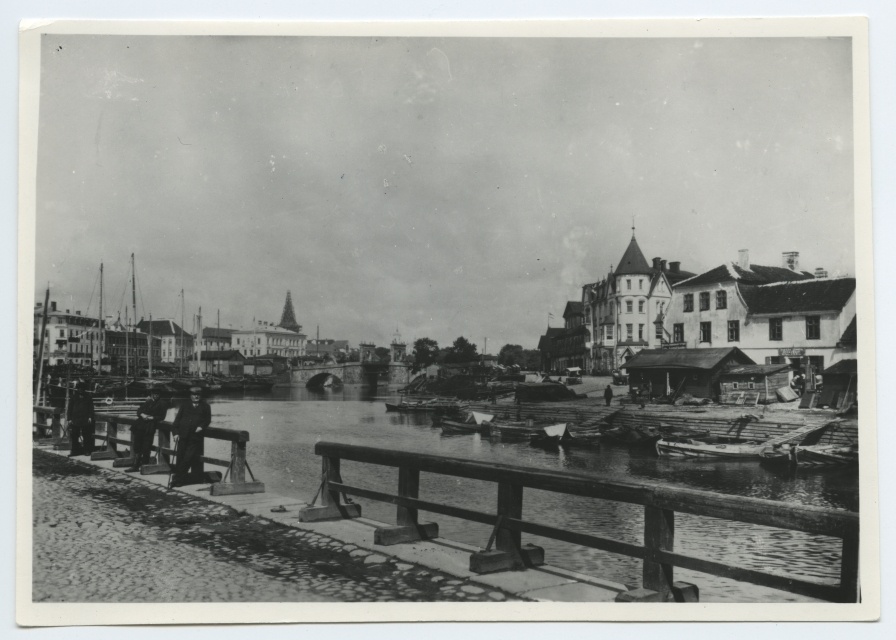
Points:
149	414
192	419
608	395
81	423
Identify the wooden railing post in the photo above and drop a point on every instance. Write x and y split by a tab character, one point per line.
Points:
163	460
849	567
659	534
237	474
407	529
110	451
508	554
330	508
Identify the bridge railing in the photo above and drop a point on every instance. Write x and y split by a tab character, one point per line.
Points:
660	503
233	481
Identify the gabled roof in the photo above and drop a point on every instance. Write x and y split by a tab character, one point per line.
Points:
633	261
230	354
754	369
799	297
215	332
848	339
756	274
544	342
573	308
841	367
162	328
685	358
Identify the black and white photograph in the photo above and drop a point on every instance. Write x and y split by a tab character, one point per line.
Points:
446	321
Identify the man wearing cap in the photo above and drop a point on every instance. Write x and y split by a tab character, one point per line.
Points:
149	414
190	424
81	422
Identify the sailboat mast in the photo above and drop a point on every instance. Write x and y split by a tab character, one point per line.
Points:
149	351
134	307
199	347
127	349
40	349
102	323
181	358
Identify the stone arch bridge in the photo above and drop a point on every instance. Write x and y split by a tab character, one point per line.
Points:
364	373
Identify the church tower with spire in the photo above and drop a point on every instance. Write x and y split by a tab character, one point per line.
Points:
288	317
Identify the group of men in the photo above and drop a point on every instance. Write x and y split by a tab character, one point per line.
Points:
190	423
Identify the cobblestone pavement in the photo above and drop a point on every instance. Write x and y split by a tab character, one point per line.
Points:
102	536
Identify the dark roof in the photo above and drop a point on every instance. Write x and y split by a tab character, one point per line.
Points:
215	332
633	260
756	274
685	358
848	339
229	354
675	277
754	369
841	367
573	308
544	342
798	297
162	328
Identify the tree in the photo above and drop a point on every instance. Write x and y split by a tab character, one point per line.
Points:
461	351
510	354
426	352
383	354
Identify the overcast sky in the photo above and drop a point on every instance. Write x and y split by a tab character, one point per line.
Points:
440	187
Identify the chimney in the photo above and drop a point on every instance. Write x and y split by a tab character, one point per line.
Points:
743	259
662	265
821	272
656	264
791	260
674	267
52	305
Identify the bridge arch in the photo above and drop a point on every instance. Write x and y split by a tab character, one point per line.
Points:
320	380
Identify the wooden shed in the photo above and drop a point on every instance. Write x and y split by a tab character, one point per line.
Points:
840	385
675	372
751	384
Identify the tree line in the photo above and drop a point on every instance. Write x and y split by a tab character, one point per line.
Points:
427	352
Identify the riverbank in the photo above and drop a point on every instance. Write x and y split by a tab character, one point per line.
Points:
101	535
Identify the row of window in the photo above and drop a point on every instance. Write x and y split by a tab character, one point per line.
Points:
775	330
721	300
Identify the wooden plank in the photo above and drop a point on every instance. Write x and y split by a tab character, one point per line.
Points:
659	534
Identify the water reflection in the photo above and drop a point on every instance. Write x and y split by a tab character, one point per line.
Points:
284	426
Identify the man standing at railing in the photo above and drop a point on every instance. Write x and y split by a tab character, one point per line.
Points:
81	421
149	414
192	419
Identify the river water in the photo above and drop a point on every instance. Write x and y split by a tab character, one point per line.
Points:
285	425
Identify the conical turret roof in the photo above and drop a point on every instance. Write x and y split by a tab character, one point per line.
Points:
633	260
288	318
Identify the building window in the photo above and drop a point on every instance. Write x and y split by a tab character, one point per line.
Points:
751	385
609	332
640	306
640	283
659	332
734	386
704	301
628	285
813	327
689	302
641	332
628	331
775	329
678	332
734	331
721	299
705	332
628	306
611	308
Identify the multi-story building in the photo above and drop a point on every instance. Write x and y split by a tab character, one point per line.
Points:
176	344
567	346
266	338
623	312
129	350
776	315
68	337
216	339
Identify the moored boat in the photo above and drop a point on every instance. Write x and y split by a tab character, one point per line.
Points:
692	448
814	455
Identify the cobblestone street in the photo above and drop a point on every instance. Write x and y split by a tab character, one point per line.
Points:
101	536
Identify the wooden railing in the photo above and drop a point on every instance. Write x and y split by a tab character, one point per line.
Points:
233	481
660	505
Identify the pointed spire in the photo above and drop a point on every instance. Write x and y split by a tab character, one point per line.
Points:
288	318
633	260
